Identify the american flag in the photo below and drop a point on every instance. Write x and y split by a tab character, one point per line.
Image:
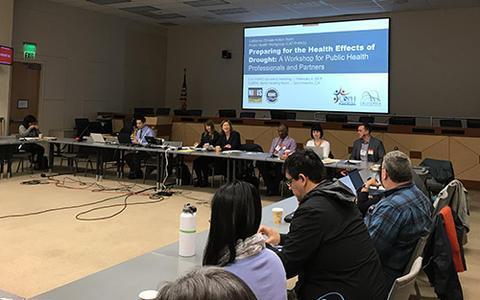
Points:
183	93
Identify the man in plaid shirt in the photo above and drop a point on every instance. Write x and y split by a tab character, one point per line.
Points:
404	215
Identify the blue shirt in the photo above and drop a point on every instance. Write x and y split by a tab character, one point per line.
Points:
142	133
396	223
263	273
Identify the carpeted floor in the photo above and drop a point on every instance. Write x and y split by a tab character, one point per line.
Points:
42	252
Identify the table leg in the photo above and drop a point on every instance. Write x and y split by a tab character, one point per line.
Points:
159	169
51	150
234	169
97	171
228	169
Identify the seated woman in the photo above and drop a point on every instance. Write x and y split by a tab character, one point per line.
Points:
317	140
207	283
229	140
200	165
29	128
233	241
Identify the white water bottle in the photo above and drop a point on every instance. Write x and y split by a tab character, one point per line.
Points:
188	231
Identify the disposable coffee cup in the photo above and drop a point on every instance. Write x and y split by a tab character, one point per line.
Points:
40	136
148	295
277	213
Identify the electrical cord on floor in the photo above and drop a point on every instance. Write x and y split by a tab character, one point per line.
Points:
125	204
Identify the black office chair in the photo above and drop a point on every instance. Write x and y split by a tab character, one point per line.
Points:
81	126
143	111
247	115
411	121
180	112
451	123
195	112
227	113
366	119
336	118
473	123
163	111
95	127
282	115
107	125
291	115
440	174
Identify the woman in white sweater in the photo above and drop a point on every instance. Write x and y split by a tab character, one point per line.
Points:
317	140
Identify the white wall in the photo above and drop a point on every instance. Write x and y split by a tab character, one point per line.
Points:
90	61
434	64
6	26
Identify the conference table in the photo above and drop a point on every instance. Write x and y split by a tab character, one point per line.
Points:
162	154
126	280
149	271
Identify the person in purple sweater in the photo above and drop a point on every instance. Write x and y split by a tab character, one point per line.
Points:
233	241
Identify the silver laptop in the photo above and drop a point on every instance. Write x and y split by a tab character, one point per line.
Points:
318	151
172	144
97	137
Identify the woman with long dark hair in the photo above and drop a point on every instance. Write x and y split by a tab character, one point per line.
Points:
208	141
29	128
233	241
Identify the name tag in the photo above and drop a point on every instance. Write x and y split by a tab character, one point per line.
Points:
370	151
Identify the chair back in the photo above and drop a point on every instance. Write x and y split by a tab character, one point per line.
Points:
402	121
451	123
227	113
247	115
338	118
403	286
366	119
417	252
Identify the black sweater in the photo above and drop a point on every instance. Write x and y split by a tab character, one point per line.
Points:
210	139
329	248
234	141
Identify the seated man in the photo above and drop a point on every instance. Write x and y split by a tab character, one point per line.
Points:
328	245
367	148
404	215
272	172
134	159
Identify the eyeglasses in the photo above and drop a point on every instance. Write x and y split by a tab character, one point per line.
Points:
288	182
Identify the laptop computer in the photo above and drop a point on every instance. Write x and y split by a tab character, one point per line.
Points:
153	141
172	144
97	137
353	180
318	151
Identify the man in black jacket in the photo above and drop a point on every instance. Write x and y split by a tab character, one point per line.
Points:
367	147
328	245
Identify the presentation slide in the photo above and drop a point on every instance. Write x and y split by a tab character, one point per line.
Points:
336	66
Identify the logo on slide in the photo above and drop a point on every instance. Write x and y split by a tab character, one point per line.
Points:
255	95
343	98
272	95
370	98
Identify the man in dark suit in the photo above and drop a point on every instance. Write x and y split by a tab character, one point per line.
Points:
367	148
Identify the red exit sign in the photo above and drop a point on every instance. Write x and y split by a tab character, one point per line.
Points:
6	55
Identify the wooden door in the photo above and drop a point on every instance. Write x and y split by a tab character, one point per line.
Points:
24	96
